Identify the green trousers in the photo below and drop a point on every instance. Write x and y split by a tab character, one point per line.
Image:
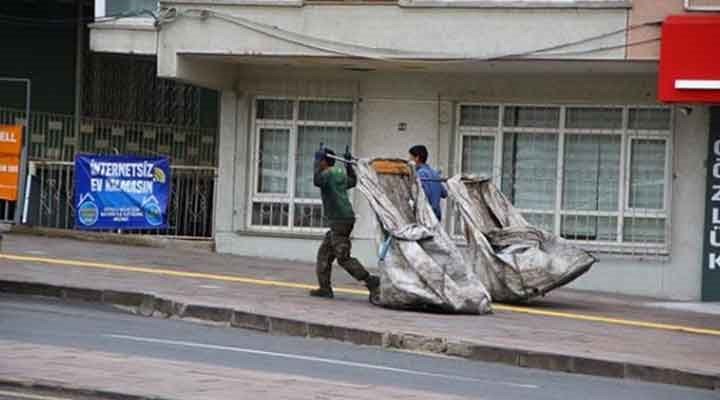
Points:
337	246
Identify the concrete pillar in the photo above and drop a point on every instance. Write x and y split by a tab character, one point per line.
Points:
681	277
243	157
225	191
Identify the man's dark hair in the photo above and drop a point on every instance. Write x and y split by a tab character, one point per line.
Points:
420	152
329	160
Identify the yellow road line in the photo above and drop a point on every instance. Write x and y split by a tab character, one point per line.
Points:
607	320
170	272
30	396
266	282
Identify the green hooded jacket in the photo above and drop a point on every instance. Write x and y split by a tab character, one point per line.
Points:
334	184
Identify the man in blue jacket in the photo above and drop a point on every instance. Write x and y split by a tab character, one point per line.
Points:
434	189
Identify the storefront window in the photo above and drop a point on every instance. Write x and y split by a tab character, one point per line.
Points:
592	174
288	132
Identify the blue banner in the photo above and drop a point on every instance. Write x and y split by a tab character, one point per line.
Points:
121	192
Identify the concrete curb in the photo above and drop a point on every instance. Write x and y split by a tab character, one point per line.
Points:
151	305
69	390
115	238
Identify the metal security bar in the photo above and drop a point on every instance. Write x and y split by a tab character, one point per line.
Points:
7	211
52	138
190	210
127	88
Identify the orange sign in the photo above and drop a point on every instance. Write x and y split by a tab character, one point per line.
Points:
10	147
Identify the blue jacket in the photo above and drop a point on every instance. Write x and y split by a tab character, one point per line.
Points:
434	190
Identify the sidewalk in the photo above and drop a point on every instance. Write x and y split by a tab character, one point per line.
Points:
581	332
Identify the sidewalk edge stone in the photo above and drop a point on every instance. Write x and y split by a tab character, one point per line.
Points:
90	295
207	313
30	288
68	389
246	320
121	298
289	327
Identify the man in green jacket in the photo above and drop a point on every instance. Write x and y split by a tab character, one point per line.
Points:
334	183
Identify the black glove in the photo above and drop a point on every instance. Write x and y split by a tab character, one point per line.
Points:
348	155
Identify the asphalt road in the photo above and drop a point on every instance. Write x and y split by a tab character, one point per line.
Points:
99	328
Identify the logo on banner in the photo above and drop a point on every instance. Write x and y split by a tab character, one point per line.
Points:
153	213
158	176
88	212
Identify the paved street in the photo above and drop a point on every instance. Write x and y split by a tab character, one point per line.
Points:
80	343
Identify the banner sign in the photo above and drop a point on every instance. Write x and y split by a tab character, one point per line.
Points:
10	147
121	192
711	253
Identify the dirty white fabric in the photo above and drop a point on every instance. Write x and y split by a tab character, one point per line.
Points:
514	260
422	268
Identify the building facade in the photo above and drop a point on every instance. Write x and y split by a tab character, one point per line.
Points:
557	101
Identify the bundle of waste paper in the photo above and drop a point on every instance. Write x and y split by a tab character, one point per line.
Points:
514	260
421	266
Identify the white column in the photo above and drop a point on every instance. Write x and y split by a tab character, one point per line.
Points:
224	187
243	158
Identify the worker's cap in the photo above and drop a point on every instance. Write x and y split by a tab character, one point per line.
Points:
329	160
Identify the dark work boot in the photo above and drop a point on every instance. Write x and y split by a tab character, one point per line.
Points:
373	285
322	292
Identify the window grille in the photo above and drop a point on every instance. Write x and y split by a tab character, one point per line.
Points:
599	175
287	134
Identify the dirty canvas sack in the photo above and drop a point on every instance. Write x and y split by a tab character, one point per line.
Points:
514	260
421	267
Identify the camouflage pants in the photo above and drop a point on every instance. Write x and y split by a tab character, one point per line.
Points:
337	246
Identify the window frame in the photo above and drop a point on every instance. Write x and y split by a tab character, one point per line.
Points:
627	136
289	198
